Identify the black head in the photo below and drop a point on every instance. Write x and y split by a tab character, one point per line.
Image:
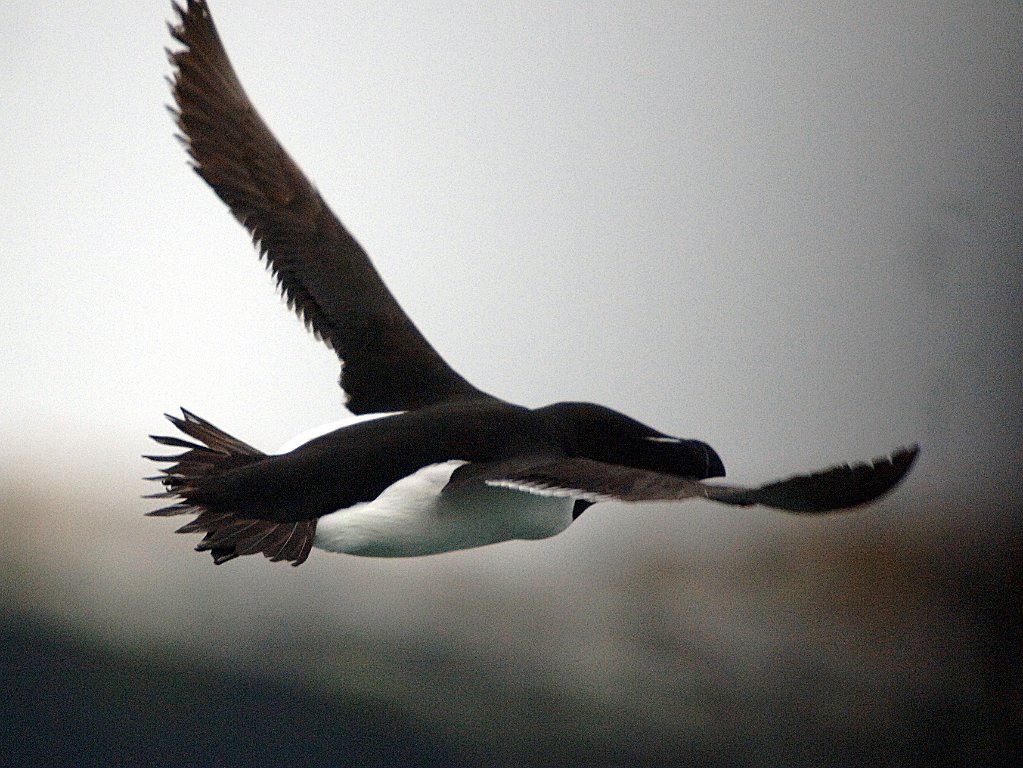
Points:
595	432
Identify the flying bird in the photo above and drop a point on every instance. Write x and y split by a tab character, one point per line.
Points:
429	463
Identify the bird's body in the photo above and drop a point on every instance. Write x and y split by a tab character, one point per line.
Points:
414	516
394	484
446	466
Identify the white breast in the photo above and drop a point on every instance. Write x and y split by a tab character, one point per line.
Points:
412	517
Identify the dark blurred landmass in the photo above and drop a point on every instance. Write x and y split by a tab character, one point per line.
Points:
841	647
68	702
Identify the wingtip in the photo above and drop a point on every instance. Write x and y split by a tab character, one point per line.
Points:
846	486
904	457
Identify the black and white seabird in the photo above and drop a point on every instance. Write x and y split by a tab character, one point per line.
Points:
430	463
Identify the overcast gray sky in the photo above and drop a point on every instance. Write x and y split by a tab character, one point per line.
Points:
792	230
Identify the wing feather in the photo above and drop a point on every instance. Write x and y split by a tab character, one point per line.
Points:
325	274
840	487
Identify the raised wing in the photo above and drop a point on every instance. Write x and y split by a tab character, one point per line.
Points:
327	277
830	489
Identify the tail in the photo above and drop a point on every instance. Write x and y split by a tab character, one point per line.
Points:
229	533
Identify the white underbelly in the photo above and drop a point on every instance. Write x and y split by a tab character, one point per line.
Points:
412	517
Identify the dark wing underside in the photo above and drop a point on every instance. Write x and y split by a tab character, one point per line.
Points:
830	489
326	276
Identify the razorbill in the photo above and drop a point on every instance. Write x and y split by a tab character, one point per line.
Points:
431	463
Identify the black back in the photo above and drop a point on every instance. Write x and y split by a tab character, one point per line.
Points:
358	462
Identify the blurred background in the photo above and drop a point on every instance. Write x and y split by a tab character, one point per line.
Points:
793	231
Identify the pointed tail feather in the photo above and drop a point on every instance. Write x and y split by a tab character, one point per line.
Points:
228	533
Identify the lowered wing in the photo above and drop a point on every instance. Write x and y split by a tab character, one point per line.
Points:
327	277
848	485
